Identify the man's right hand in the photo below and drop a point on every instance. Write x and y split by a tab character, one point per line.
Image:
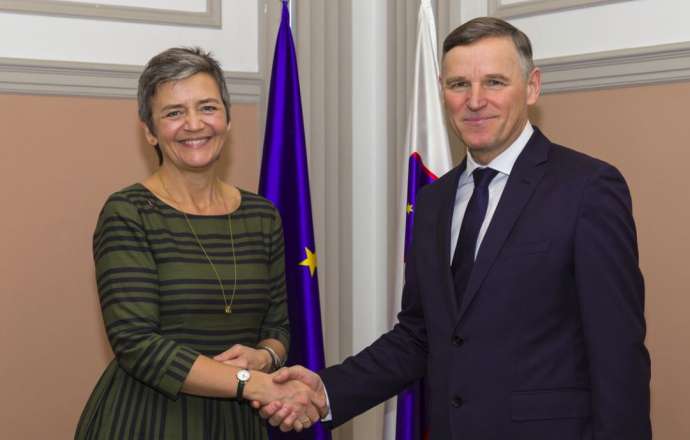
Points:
283	416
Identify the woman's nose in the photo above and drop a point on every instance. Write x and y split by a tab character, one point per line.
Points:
193	121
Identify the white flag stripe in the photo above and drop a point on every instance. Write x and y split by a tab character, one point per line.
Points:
426	127
426	134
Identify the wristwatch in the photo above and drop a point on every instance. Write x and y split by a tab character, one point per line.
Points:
243	377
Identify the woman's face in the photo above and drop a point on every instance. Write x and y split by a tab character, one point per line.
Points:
190	122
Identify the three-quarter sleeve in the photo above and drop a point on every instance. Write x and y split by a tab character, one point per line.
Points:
128	289
275	324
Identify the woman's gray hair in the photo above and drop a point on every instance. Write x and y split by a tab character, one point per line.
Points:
175	64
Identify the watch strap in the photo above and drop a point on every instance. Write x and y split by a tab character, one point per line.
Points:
243	377
240	389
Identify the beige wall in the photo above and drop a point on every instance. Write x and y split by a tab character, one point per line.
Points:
645	132
61	157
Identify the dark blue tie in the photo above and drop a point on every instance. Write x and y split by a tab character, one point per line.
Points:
463	259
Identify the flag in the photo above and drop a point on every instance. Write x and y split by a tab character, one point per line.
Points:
428	157
284	181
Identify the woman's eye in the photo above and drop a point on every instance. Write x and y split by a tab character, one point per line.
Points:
173	114
209	108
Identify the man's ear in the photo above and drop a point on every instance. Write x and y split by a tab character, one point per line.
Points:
533	86
150	137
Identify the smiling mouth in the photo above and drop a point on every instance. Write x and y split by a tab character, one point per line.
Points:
194	143
473	120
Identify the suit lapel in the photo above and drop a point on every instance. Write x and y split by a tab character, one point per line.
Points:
445	221
528	170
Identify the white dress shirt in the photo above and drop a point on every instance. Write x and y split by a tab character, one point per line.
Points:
503	163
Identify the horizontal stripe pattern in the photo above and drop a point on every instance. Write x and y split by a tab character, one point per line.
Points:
162	307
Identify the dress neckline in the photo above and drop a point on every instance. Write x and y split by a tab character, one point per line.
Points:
242	193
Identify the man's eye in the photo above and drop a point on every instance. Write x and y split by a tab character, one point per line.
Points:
209	108
173	114
458	84
495	83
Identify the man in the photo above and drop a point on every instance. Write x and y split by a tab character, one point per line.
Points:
523	305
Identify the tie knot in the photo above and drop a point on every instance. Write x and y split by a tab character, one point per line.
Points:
483	176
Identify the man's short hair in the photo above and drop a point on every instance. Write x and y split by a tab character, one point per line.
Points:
488	27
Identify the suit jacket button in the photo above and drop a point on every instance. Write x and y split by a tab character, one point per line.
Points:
457	340
456	402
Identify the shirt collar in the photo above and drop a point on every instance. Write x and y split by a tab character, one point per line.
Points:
504	162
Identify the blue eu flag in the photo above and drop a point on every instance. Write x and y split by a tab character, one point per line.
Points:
285	182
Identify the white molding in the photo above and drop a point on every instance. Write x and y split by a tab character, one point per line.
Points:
211	17
498	8
68	78
626	67
617	68
42	77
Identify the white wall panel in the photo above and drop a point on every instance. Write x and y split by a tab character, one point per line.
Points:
618	25
42	37
599	44
596	28
178	5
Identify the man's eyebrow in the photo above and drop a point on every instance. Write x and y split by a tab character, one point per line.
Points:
487	76
455	78
497	76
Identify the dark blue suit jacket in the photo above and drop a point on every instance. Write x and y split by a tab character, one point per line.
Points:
548	343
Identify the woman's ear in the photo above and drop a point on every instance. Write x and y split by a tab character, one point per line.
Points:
150	137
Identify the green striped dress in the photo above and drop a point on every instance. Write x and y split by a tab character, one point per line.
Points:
162	307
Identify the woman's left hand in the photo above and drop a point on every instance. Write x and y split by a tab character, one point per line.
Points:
245	357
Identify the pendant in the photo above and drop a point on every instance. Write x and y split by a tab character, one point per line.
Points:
228	310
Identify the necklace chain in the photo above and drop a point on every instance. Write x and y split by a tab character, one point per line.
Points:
228	306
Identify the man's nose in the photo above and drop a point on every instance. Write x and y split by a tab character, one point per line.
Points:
477	99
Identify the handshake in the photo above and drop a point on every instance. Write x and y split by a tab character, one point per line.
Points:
292	398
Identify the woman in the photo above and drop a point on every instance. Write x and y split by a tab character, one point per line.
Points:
190	278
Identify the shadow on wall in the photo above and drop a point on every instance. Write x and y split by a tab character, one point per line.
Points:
535	115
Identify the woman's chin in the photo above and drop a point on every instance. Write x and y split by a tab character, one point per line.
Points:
196	163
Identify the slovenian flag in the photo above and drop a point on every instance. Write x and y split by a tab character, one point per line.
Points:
428	153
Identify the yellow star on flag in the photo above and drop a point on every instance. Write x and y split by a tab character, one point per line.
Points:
310	261
410	208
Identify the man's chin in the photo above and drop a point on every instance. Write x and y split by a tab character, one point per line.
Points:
478	145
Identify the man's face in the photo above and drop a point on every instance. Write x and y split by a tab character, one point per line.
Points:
486	95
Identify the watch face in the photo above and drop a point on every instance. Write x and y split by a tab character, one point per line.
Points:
243	375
